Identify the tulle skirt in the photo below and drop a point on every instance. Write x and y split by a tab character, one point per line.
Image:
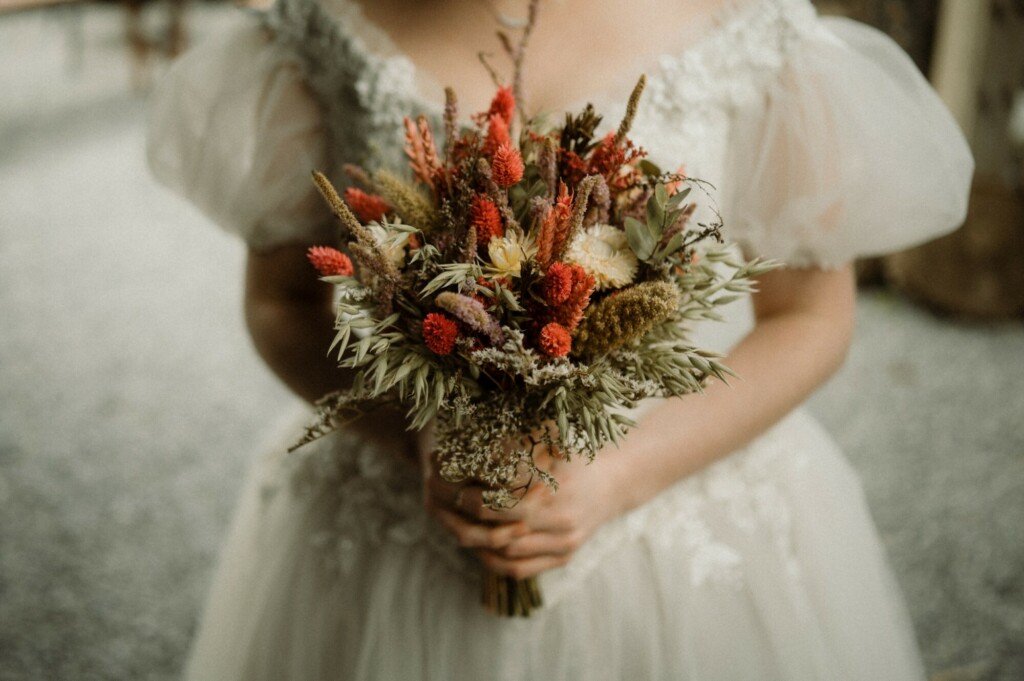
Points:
765	566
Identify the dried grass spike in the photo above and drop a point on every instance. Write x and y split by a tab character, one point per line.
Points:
429	147
579	211
451	122
631	108
357	175
471	313
547	161
517	73
552	230
415	150
411	205
348	220
626	317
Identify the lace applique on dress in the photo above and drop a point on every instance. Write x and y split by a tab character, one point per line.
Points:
689	97
742	493
369	496
364	93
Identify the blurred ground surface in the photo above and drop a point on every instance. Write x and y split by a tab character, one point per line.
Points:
131	402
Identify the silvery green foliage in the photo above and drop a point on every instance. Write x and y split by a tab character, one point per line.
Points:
497	407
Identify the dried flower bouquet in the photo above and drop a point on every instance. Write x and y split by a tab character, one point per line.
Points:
520	293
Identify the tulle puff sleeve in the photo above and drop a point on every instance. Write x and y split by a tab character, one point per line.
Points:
234	130
849	153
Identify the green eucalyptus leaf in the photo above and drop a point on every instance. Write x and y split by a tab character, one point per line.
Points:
649	169
677	199
640	238
661	194
673	245
655	214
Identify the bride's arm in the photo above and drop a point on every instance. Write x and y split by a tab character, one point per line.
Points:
804	323
290	316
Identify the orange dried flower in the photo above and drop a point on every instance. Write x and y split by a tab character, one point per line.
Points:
497	135
569	313
555	227
367	207
486	217
554	340
421	150
615	163
440	333
504	105
572	168
507	167
330	262
557	284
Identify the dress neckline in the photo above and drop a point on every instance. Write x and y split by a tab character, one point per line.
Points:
714	30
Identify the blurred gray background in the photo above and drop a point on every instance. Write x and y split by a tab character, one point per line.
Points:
131	402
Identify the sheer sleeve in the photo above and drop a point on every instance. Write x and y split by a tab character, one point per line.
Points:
849	153
234	130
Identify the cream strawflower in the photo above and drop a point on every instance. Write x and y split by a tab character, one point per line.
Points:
394	242
508	253
604	252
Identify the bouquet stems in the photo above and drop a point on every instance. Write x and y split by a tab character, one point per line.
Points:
506	596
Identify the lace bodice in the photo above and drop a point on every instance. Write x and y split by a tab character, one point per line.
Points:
365	92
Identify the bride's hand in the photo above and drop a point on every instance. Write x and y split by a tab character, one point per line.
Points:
542	531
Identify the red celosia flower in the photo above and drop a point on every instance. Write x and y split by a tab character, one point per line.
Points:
572	168
554	340
497	135
330	262
486	217
569	313
554	230
507	167
439	333
503	104
557	284
367	207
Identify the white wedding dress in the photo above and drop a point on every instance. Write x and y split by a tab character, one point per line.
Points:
827	145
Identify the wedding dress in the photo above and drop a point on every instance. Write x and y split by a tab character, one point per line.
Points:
826	143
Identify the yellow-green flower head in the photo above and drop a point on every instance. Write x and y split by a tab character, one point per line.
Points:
604	252
508	253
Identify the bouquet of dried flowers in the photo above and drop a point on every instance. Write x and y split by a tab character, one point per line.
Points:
520	292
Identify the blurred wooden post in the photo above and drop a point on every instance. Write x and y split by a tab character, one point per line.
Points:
959	58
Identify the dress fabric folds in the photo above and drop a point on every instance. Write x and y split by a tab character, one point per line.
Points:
766	565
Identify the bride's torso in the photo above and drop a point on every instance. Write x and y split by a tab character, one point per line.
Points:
366	83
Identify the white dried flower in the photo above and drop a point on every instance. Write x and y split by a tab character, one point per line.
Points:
508	253
604	252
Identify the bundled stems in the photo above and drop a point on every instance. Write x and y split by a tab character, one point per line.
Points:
510	597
